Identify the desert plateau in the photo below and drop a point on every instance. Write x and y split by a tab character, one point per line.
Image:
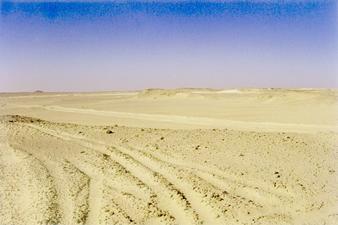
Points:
178	156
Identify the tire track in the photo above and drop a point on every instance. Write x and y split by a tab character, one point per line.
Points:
90	212
113	213
208	183
94	201
214	172
169	196
218	199
72	198
40	182
200	193
168	193
183	180
99	162
221	177
148	210
96	180
202	190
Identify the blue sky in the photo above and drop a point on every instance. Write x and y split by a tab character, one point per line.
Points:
89	46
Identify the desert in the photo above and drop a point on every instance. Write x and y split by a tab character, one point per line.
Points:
177	156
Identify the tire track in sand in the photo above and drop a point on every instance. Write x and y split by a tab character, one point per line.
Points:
38	182
198	193
170	198
221	179
88	213
184	181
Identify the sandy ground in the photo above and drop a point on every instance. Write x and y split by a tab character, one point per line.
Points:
189	156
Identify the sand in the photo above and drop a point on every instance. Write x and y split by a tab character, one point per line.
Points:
186	156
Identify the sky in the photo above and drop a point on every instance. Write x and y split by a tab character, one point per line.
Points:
132	45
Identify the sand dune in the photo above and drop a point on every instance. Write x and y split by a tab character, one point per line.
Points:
187	157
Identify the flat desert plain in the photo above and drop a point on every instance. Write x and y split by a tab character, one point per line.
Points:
185	156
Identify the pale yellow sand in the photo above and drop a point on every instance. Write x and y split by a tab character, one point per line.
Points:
189	156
